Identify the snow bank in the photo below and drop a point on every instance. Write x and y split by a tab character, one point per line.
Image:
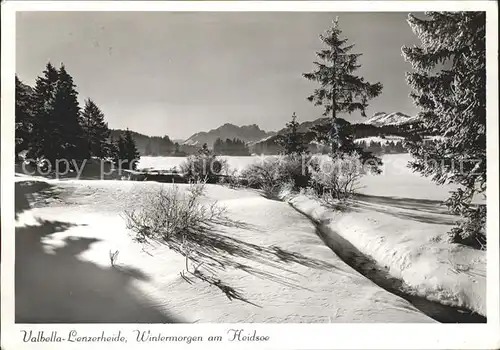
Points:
409	243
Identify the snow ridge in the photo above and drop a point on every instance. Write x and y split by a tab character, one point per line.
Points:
394	118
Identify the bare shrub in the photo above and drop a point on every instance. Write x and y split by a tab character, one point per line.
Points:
286	190
171	214
204	167
175	218
273	173
231	179
336	178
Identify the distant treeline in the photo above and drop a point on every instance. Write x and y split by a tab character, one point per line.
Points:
158	146
387	147
356	131
228	147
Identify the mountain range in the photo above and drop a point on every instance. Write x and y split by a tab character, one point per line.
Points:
261	141
379	126
395	118
246	133
252	134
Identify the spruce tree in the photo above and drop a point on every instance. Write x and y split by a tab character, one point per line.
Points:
293	141
120	151
448	84
340	90
24	115
66	114
95	130
346	133
43	141
130	152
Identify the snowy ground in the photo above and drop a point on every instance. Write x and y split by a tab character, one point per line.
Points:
280	268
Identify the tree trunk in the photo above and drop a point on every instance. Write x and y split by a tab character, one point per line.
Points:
334	131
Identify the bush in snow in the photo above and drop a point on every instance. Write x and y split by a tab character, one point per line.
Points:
204	166
232	179
274	172
175	218
336	177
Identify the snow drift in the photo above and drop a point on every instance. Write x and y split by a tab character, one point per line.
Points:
408	243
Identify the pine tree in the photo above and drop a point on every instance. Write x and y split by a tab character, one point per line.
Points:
130	152
95	130
120	151
293	141
449	87
66	114
43	141
24	115
341	91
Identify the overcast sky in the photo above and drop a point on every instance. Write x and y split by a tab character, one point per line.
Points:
175	74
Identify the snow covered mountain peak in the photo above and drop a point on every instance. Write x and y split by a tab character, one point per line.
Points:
395	118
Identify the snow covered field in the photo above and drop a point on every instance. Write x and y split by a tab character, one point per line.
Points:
275	260
166	163
278	265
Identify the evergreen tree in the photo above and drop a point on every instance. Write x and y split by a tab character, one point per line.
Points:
95	130
341	91
346	133
71	144
44	136
130	152
293	141
24	115
120	150
449	87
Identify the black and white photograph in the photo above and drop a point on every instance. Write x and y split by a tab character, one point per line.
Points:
253	167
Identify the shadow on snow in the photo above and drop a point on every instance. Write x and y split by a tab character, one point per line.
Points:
60	288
